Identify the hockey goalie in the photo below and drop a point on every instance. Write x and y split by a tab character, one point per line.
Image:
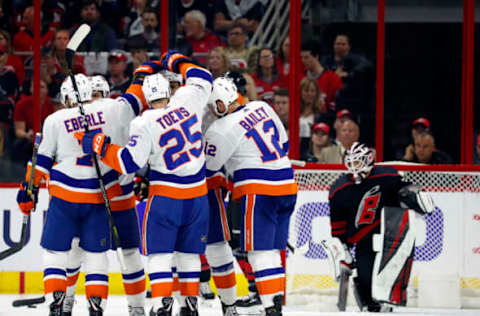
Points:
373	209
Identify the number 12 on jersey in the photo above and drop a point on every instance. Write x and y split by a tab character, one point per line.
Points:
267	154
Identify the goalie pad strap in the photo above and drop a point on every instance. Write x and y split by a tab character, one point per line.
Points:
394	246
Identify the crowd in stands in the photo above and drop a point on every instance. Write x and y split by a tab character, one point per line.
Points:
334	93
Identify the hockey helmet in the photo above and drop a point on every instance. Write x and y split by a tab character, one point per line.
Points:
238	80
359	160
100	84
171	76
224	90
67	92
155	87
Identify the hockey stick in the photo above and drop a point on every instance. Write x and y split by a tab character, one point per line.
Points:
28	301
18	246
72	46
299	163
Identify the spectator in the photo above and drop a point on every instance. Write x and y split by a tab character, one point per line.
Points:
50	72
12	60
309	110
8	94
477	151
150	33
249	13
102	37
419	125
328	81
23	39
240	55
349	134
356	73
267	79
205	6
426	152
283	57
24	122
322	149
138	50
201	39
116	77
218	62
281	104
60	42
341	117
134	20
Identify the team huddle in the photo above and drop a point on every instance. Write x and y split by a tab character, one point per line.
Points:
190	162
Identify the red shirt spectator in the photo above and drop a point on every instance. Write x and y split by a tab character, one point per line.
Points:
267	79
201	39
24	111
12	60
23	39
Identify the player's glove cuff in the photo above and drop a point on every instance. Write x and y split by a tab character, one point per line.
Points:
26	200
93	143
172	60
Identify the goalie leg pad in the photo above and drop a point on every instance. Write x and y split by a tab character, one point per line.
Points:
220	257
393	261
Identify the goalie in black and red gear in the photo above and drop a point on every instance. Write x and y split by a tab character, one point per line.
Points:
374	200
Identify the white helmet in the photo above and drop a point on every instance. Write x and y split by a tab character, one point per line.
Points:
84	90
359	160
99	83
171	76
155	87
225	90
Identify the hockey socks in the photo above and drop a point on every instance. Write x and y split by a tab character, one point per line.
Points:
134	278
220	257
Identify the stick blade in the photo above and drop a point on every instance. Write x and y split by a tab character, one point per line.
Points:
78	37
28	301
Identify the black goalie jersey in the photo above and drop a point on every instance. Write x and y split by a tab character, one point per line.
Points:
355	208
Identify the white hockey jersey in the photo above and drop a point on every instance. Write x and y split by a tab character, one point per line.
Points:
72	173
252	144
170	139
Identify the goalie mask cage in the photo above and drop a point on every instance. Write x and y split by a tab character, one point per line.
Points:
447	241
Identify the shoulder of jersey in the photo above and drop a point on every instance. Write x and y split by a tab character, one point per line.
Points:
340	182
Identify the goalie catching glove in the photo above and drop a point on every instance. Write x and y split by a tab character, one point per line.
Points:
339	256
412	197
93	143
26	202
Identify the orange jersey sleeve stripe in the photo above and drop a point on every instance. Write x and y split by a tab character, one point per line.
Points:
161	289
39	175
189	288
264	189
185	66
178	193
80	197
111	157
136	90
272	286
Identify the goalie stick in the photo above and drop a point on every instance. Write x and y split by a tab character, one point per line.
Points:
23	236
77	38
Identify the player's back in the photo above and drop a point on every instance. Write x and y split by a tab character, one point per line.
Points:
258	144
177	160
73	176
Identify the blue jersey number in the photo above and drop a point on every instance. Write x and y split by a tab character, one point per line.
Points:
87	160
181	138
267	154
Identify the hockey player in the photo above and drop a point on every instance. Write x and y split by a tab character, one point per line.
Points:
367	209
176	217
124	215
250	141
76	206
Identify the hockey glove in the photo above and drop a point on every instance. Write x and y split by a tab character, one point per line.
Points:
27	202
93	143
146	69
172	59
